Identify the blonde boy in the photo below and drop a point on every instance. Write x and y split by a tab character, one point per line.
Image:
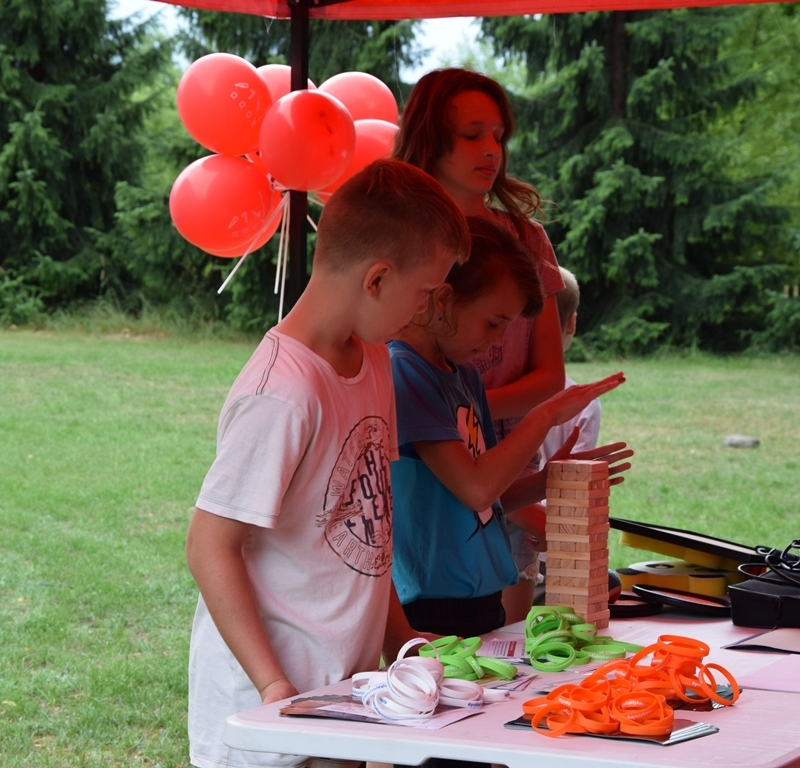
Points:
290	541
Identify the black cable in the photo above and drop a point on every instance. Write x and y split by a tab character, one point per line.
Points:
783	563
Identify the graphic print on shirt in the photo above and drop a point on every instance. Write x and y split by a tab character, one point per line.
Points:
469	427
489	359
357	509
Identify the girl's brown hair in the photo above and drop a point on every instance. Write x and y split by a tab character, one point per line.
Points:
426	134
496	252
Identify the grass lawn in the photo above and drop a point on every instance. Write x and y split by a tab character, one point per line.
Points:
105	442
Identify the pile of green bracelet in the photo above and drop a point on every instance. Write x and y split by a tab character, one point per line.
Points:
459	659
557	638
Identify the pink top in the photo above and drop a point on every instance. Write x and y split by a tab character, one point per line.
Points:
502	365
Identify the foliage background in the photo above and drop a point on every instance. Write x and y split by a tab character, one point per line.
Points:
667	143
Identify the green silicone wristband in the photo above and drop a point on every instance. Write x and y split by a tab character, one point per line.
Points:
466	647
498	667
604	652
439	646
553	657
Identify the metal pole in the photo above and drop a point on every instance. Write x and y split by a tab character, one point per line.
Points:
298	200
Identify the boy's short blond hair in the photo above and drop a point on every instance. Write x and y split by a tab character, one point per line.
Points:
568	298
389	211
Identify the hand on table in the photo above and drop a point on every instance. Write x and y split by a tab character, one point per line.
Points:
277	690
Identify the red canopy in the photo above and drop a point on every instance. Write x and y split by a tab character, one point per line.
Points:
429	9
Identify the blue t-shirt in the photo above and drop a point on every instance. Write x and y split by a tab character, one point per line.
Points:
441	547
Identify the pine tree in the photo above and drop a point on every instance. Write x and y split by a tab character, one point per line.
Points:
670	246
72	100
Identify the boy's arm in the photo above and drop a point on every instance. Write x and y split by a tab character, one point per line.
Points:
546	366
214	554
478	481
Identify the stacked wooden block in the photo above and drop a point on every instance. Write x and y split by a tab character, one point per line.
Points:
577	538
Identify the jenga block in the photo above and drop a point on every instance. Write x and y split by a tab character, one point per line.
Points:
557	598
575	493
567	580
569	501
574	527
599	619
588	485
572	469
584	557
595	566
553	507
598	607
585	572
564	589
555	515
587	586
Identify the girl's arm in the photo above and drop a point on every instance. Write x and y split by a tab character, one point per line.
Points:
545	366
478	481
214	554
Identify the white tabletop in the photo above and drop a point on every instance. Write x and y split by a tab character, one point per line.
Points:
760	731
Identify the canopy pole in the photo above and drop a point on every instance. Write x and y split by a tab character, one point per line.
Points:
298	200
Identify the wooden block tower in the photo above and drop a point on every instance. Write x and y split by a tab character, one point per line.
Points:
577	538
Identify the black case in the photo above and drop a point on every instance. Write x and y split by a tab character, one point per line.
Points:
767	602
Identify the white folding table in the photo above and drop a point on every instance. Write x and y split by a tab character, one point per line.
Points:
762	730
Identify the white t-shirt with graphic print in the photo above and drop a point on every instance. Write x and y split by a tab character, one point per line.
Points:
303	455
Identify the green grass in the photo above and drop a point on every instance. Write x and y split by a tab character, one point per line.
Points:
106	439
105	443
675	413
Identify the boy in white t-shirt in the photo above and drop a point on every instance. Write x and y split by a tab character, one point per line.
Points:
291	539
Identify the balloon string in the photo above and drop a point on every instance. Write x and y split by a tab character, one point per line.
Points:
284	261
278	209
281	238
312	222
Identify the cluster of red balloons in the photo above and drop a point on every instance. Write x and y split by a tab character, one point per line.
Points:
267	139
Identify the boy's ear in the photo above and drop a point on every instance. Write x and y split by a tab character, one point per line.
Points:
572	324
442	297
374	278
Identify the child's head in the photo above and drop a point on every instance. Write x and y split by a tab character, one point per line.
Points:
389	211
385	241
431	130
567	301
480	297
426	132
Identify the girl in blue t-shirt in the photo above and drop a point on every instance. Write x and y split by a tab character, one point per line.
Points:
454	483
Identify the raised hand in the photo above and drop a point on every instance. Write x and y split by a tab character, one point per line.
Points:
571	401
616	454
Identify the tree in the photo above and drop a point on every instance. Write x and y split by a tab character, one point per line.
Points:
670	246
75	90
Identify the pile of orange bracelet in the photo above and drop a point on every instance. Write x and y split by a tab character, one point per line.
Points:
629	696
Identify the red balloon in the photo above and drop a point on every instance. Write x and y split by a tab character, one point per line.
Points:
307	140
222	100
268	228
374	140
278	78
364	95
221	203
